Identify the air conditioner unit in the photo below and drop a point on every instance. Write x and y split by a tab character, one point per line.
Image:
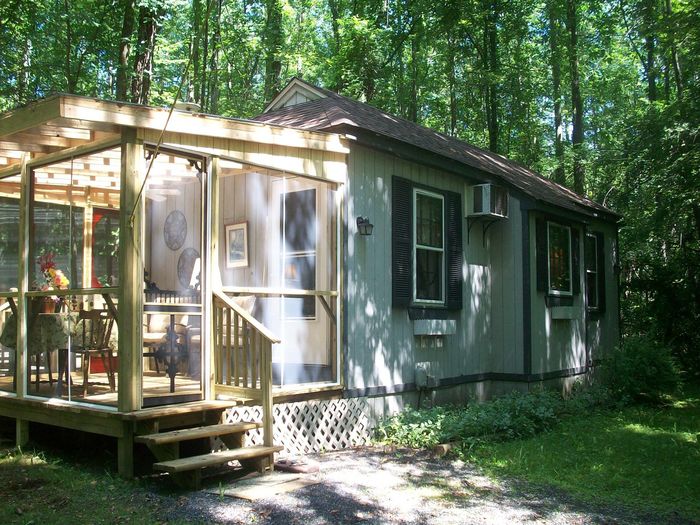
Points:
486	200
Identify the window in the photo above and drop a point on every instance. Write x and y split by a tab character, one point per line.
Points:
559	259
594	260
426	242
429	247
298	231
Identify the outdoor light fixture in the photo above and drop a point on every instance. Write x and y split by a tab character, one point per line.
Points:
364	226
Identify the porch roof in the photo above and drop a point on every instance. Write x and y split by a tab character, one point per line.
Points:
64	121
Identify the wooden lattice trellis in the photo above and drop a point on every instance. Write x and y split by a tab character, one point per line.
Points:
311	426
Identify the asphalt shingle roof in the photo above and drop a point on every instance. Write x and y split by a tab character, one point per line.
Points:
335	111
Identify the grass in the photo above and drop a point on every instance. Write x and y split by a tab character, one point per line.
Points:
644	457
36	489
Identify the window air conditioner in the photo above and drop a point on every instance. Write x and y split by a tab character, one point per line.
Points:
486	200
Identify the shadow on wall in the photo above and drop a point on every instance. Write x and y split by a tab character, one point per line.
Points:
381	347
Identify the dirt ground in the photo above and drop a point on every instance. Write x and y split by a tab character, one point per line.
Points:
371	486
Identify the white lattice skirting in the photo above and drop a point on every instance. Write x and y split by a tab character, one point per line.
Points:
311	426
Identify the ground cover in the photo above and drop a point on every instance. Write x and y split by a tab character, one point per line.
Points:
40	489
642	456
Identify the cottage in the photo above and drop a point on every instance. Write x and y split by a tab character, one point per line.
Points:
161	267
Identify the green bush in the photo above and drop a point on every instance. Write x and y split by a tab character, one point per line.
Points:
641	370
512	416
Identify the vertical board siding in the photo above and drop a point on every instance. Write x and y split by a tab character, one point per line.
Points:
381	348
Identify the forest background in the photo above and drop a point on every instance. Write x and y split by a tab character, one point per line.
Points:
602	96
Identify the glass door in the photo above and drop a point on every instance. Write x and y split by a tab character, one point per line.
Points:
174	240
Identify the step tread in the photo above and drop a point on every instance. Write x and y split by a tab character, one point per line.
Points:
214	458
185	434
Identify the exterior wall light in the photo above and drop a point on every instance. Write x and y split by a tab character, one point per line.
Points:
364	226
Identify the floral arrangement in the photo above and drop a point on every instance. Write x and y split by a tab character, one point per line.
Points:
53	278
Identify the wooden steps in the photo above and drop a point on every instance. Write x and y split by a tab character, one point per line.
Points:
186	434
187	471
176	466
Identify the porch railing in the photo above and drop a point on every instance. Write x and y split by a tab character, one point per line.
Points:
242	349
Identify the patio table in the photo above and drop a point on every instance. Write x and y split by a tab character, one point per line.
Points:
48	332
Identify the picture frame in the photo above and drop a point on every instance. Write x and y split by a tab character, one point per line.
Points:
237	245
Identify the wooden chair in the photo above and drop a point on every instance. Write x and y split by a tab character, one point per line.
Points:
96	333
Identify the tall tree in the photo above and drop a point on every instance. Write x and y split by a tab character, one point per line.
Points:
576	99
125	49
555	44
150	14
274	40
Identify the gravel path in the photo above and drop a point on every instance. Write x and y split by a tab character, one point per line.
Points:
368	486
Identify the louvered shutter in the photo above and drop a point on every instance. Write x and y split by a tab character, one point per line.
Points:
401	242
453	245
541	255
575	262
600	266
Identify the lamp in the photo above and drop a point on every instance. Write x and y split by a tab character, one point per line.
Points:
364	226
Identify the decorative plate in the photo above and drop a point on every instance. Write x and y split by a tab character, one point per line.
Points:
175	230
185	266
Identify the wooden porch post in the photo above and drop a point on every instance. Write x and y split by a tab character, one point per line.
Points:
22	426
213	279
130	291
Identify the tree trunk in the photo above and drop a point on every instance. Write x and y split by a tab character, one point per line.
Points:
555	62
214	62
143	63
678	78
576	100
490	60
125	49
453	86
195	88
649	23
274	37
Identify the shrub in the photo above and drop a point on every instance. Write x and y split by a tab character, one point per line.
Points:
512	416
641	370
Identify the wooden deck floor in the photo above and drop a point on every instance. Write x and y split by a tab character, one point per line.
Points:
154	386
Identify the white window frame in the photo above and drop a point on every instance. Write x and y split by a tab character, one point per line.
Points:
416	247
596	272
551	291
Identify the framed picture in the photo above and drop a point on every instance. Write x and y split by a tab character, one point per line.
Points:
237	245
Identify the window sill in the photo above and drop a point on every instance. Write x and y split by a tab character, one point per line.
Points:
553	301
563	312
434	327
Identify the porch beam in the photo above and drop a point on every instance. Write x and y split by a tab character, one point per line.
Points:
77	151
33	115
134	116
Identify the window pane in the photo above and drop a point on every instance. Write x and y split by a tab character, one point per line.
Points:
590	253
592	289
559	257
300	273
105	242
428	220
9	242
57	246
428	275
300	220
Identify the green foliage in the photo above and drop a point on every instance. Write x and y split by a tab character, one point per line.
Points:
641	370
515	415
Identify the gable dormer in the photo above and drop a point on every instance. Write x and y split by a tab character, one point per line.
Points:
295	92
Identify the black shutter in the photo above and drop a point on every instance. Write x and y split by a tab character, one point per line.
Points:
600	266
453	242
401	242
541	253
575	262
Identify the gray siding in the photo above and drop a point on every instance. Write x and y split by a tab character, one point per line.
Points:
381	348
